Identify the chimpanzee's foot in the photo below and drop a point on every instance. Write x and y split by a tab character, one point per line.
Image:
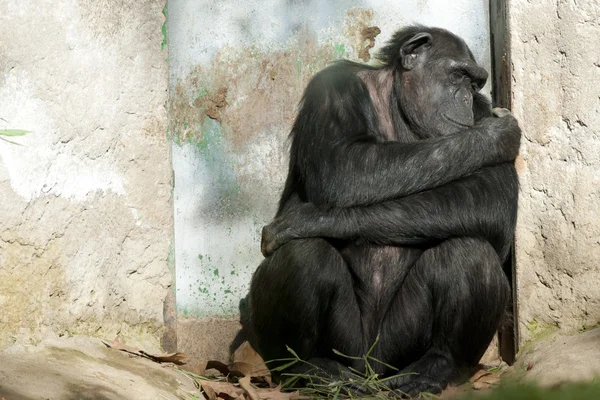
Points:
325	370
430	374
415	384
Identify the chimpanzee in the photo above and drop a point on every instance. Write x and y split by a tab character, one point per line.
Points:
398	211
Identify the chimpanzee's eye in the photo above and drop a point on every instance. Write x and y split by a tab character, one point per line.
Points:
456	77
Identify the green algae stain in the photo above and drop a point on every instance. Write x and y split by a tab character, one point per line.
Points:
339	51
203	290
201	93
164	29
221	168
212	137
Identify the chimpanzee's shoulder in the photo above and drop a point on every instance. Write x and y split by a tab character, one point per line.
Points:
340	76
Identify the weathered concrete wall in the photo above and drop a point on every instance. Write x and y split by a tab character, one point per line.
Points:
556	96
85	204
238	69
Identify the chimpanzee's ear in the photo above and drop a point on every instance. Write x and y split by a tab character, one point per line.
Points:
413	47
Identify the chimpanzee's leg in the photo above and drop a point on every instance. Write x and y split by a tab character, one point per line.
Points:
302	297
445	314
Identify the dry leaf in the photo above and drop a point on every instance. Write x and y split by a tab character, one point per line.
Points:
478	375
198	369
208	391
484	379
248	362
223	388
175	358
247	369
247	386
276	394
222	368
115	344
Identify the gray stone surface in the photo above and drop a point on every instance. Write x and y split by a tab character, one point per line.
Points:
556	97
559	359
81	368
85	204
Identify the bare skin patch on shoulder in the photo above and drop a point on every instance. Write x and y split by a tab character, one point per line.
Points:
379	83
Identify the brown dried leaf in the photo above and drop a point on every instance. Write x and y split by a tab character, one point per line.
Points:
209	392
277	394
222	368
115	344
175	358
198	369
477	375
484	379
223	388
247	386
248	362
247	369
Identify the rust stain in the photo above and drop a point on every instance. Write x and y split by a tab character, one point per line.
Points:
368	35
238	111
248	91
361	32
213	103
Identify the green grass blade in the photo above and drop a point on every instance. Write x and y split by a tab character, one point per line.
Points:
373	346
346	356
280	360
389	378
13	132
284	366
383	363
293	352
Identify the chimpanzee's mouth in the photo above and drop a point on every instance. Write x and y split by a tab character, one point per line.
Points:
455	122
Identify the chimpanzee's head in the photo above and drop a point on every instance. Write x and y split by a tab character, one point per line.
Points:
436	80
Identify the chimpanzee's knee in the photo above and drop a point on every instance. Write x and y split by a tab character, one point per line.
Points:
290	295
470	294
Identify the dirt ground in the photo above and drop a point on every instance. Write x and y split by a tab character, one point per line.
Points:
84	368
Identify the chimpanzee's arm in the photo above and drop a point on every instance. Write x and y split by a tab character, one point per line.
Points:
483	204
341	164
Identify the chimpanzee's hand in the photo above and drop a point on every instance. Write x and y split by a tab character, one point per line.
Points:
503	129
297	222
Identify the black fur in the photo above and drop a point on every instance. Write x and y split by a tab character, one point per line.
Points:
395	231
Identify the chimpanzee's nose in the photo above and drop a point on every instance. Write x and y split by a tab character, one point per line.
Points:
468	99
